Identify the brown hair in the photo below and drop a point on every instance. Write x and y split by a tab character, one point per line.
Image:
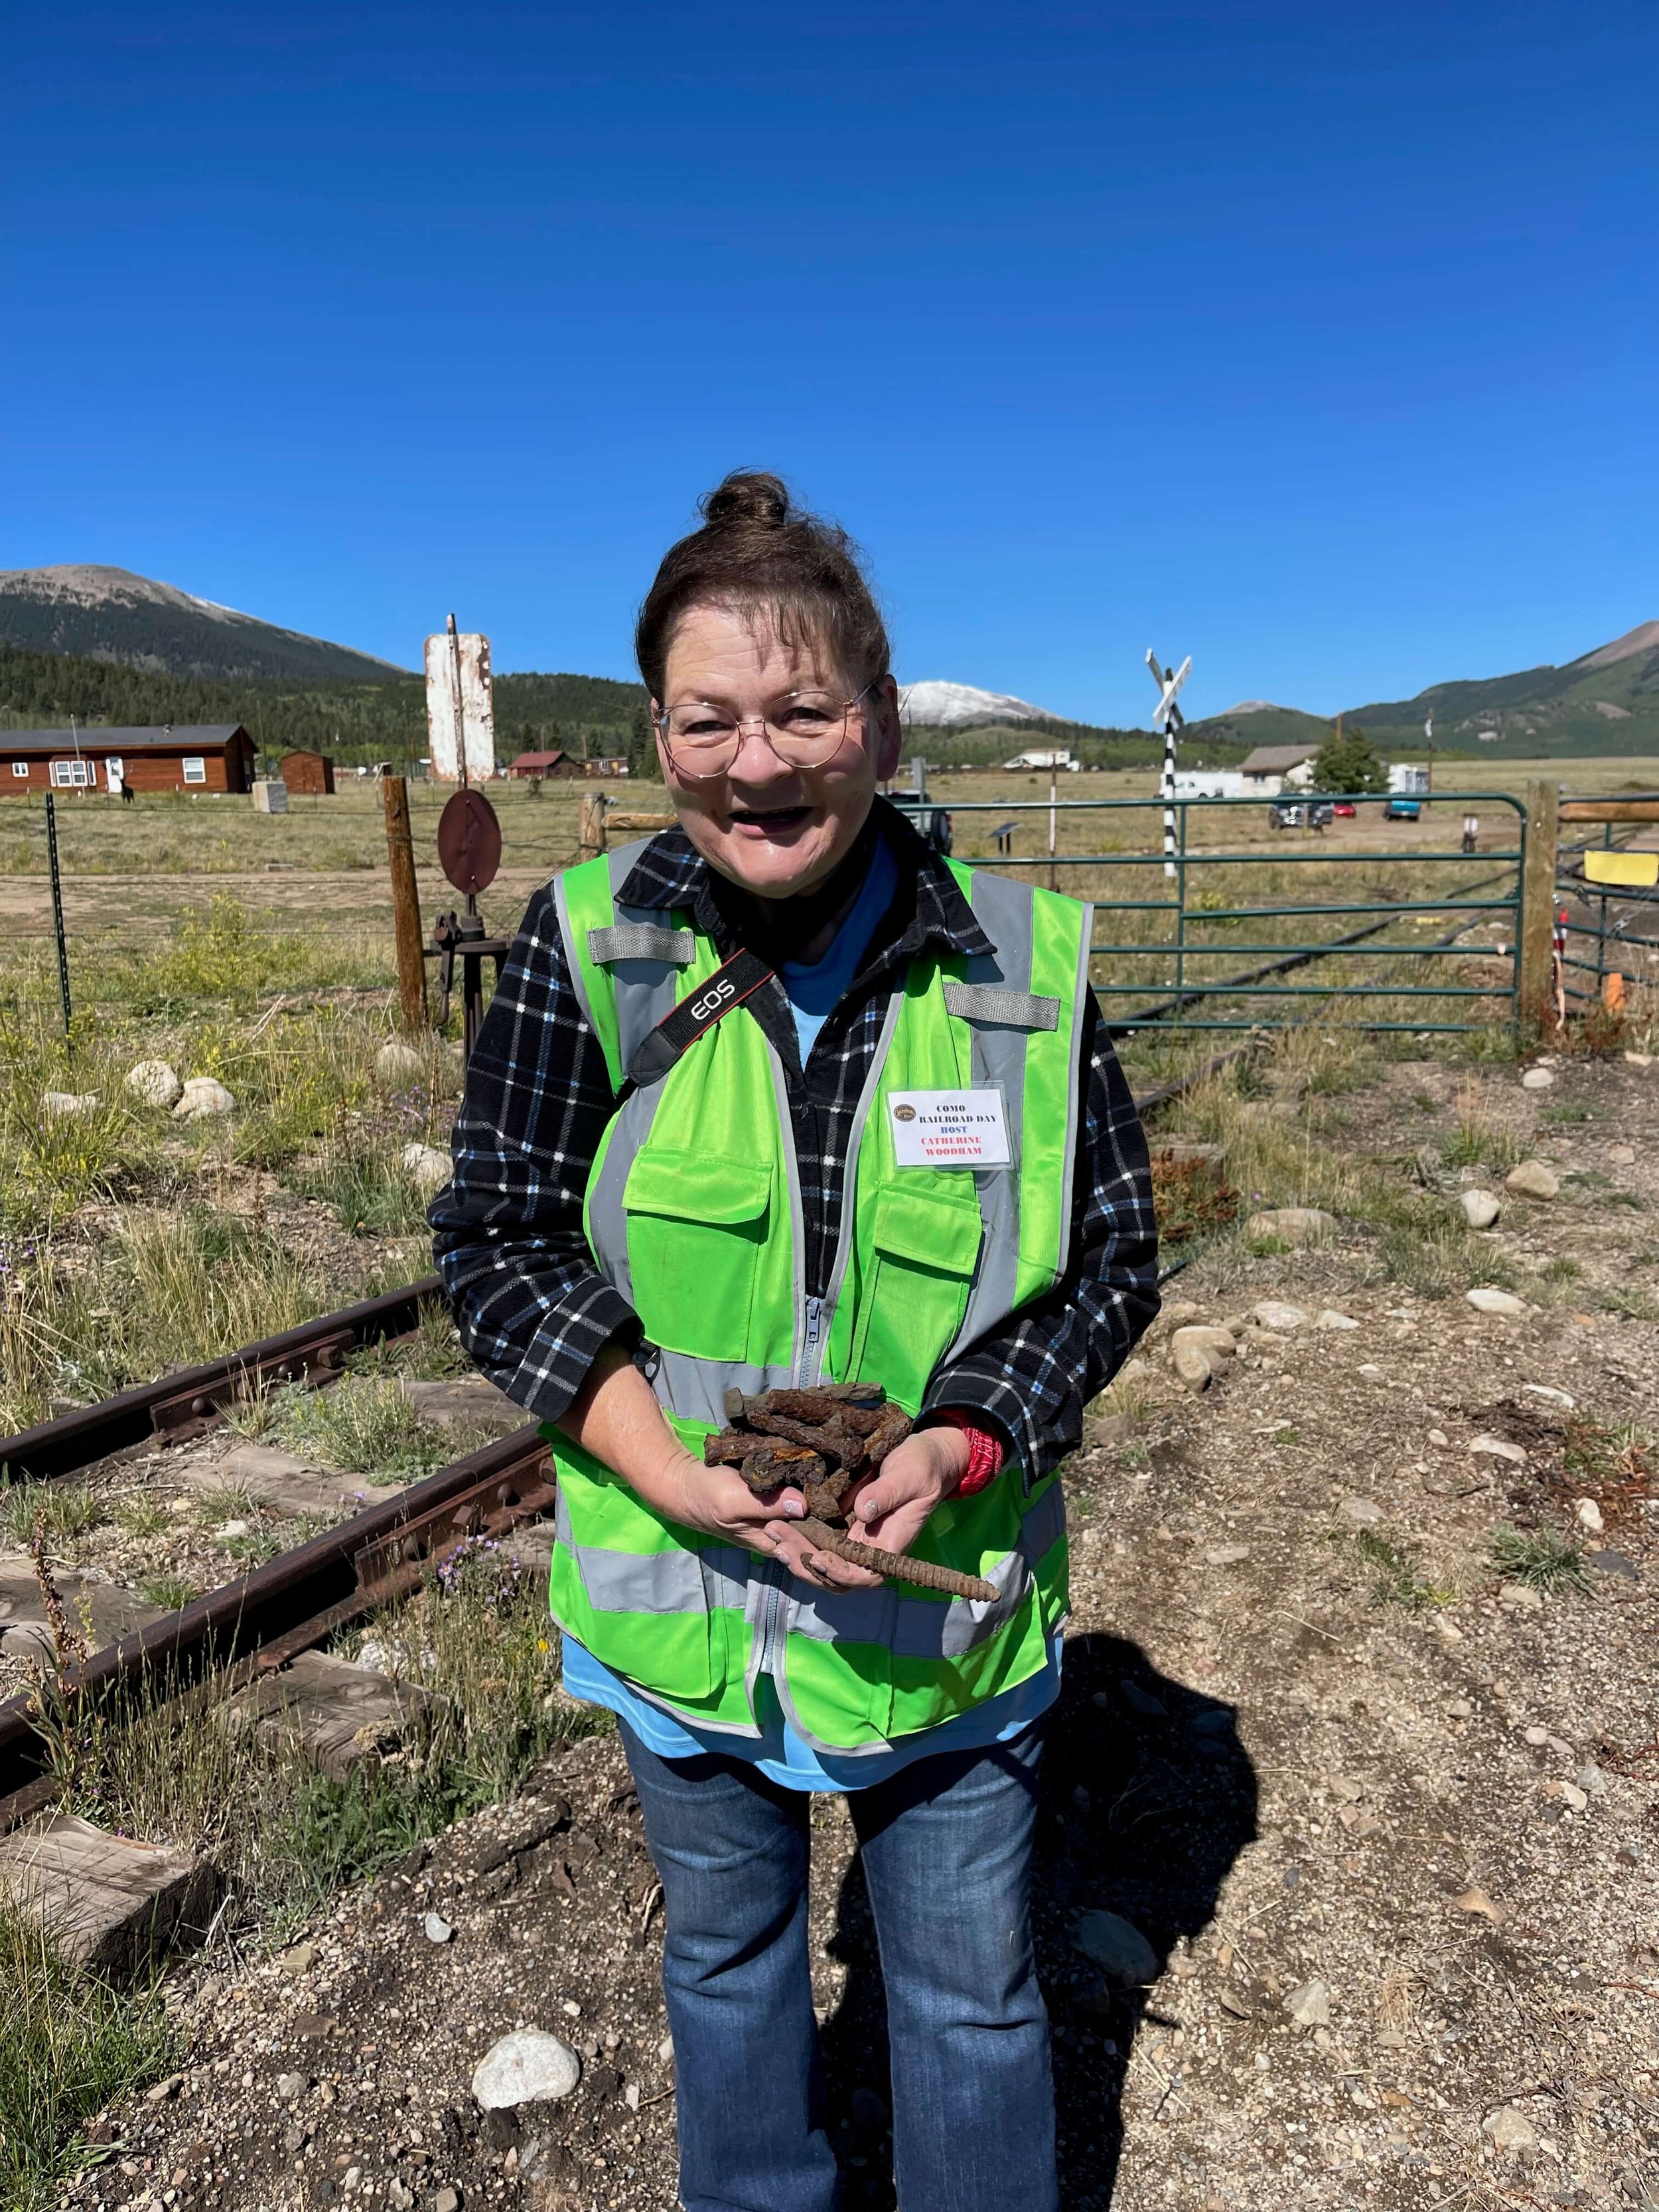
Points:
757	551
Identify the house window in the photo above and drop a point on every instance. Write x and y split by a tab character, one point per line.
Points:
20	767
196	770
71	774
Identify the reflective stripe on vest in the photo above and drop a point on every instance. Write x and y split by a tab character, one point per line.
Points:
694	1214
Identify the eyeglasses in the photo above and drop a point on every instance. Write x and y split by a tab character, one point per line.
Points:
804	729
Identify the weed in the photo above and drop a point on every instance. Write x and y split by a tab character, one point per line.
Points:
1570	1111
1629	1304
168	1592
1397	1574
1478	1141
430	1353
1190	1199
364	1427
70	2043
227	1501
1430	1252
60	1511
142	1518
1543	1559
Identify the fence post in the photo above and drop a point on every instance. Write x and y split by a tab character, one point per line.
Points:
1536	947
590	824
405	903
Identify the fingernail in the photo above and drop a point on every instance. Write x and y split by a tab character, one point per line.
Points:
791	1508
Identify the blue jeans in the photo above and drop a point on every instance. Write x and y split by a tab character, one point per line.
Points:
947	1845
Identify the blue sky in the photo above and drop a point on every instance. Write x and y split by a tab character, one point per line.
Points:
1316	340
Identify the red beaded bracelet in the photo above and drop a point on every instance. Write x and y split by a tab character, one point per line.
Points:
984	1450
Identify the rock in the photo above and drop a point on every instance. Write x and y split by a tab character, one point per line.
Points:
1576	1798
65	1105
1199	1354
1226	1555
429	1169
1488	1301
1499	1447
1142	1701
446	2200
438	1930
666	2050
1561	1398
232	1531
396	1065
1274	1314
1176	1313
1459	1709
1509	2130
162	2090
1622	1156
290	2086
154	1082
1537	1079
1310	2005
1535	1735
202	1098
1295	1225
1532	1179
528	2067
1330	1319
1360	1512
1613	1563
1118	1948
1521	1597
1588	1515
1642	1059
1591	1780
1480	1208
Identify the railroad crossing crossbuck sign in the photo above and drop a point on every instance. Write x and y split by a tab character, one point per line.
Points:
1169	717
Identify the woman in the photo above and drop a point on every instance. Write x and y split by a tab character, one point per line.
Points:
694	1153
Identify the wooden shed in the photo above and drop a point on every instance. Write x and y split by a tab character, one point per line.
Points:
311	775
195	756
523	765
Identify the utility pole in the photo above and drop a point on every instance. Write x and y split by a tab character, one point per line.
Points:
406	903
1169	715
1428	731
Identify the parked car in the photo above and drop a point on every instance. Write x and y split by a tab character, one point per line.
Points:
931	823
1344	809
1403	810
1299	813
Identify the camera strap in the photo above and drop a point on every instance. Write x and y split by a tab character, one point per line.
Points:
728	987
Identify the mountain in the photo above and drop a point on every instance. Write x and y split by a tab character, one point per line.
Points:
1605	701
110	614
938	705
1257	722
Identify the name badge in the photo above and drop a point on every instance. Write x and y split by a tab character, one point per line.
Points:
948	1129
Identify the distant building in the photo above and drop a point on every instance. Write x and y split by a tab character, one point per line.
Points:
523	765
190	756
1411	782
1270	768
311	775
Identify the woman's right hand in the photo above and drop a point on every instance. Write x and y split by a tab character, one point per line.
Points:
715	1501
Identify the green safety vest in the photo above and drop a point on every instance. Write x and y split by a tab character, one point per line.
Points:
694	1212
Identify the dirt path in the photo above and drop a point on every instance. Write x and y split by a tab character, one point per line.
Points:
1390	1824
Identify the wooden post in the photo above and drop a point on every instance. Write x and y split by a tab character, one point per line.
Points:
1535	950
590	824
406	903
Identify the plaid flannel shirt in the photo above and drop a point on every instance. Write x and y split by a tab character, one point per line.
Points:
534	1311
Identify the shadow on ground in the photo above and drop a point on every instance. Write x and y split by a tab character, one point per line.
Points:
1148	1797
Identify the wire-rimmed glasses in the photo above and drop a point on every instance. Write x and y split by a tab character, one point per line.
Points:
805	729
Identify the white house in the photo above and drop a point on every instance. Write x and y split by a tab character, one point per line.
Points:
1270	768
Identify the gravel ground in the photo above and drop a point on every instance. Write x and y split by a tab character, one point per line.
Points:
1390	1824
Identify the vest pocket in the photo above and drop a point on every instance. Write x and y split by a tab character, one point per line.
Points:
695	1229
925	1249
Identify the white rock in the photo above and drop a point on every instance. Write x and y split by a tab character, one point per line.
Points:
1439	1439
232	1530
1499	1447
202	1097
1226	1555
1199	1354
1274	1314
1532	1179
666	2049
1118	1948
1544	1391
154	1082
1575	1797
528	2067
1521	1597
1330	1318
1310	2005
1537	1079
1488	1301
1589	1515
64	1105
396	1065
438	1930
290	2086
1480	1208
1360	1512
1509	2130
429	1169
1294	1225
1639	1059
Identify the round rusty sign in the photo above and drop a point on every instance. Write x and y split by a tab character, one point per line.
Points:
470	841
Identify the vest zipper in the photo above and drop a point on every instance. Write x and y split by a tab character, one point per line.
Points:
812	1356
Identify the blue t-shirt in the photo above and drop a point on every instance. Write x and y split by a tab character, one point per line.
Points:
781	1754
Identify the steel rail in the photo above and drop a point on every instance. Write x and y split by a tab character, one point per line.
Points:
291	1602
184	1402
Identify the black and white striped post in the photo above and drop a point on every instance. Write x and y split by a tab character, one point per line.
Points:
1167	714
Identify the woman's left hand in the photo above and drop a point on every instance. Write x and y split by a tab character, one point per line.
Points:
888	1508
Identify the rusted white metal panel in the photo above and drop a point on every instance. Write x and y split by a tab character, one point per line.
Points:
459	663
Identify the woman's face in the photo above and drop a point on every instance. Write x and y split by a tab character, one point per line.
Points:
772	827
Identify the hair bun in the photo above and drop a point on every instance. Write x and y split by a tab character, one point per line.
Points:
752	496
